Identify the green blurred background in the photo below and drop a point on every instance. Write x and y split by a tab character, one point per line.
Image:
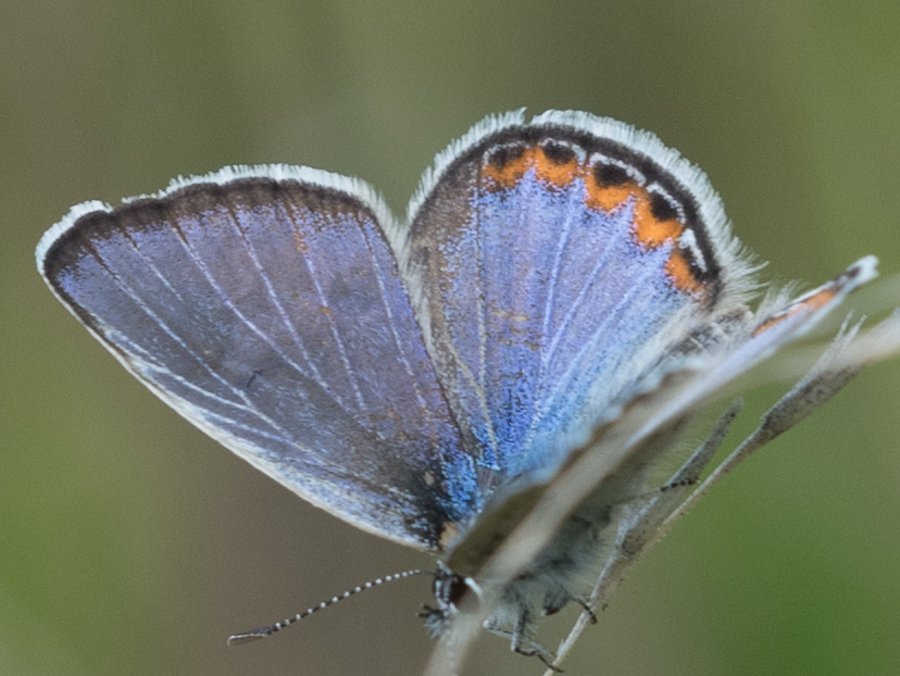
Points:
133	544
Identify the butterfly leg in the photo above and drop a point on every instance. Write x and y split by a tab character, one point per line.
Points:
556	599
521	641
585	607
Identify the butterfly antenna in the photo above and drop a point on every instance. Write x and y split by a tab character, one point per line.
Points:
262	632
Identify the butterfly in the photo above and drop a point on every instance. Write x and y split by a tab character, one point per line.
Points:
489	379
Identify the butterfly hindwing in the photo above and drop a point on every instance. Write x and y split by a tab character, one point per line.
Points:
556	263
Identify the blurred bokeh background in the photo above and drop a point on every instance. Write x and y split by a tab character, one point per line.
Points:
130	543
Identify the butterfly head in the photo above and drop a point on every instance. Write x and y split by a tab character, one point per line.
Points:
453	594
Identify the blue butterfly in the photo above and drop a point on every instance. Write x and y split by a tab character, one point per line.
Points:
563	293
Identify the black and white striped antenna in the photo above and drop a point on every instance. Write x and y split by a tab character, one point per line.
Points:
262	632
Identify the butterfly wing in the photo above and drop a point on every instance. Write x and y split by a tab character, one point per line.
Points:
556	262
265	306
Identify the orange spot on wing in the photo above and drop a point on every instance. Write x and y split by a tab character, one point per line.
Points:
650	231
679	270
509	172
769	323
606	190
559	174
504	172
813	302
608	198
820	299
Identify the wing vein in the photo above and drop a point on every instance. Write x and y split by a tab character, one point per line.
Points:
585	288
172	334
335	334
481	313
267	284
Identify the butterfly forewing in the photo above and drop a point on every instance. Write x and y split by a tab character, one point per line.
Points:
271	314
